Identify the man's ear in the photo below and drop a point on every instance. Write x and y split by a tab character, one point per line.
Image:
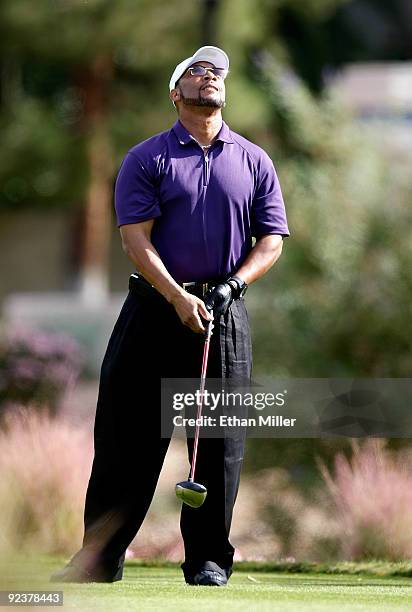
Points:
175	95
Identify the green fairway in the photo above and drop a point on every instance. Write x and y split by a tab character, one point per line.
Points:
163	588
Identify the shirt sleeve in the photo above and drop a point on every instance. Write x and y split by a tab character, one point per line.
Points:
268	214
136	197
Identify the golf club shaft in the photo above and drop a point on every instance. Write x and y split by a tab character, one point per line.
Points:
200	404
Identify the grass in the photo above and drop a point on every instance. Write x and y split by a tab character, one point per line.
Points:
251	587
367	568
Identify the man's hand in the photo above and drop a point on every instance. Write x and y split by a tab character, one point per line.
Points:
219	299
188	308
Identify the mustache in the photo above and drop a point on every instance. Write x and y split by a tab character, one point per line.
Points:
210	85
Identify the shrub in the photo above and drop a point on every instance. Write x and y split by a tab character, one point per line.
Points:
372	495
338	301
36	367
45	465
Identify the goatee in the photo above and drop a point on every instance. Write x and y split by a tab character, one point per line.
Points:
199	101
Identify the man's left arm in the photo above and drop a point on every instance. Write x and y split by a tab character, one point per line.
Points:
268	223
269	226
261	258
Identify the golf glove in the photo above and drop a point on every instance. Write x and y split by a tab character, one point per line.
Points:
218	299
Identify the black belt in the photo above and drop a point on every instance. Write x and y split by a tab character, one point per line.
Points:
195	288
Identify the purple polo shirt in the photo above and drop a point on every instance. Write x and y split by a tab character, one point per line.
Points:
206	208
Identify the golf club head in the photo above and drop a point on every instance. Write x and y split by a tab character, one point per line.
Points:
191	493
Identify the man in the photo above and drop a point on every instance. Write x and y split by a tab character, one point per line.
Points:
188	202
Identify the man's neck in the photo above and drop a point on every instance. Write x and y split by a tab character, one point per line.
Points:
203	126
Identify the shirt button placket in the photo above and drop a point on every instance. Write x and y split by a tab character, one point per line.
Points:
205	167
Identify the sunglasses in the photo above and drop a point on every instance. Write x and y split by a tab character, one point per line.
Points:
201	71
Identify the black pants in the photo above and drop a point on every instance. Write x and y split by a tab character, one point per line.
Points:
149	343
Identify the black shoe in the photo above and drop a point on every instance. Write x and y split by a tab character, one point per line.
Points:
210	574
71	573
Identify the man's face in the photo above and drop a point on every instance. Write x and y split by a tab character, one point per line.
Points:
207	90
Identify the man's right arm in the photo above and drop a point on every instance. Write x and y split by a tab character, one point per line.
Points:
136	241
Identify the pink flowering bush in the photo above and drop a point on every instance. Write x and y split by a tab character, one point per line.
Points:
372	495
45	465
36	367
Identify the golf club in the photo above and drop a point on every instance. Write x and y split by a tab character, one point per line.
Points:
189	491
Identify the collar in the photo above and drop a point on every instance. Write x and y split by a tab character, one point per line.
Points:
184	136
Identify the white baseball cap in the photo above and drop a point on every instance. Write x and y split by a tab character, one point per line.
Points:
214	55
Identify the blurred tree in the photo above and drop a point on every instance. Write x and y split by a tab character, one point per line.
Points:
316	37
322	35
345	289
78	82
209	29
